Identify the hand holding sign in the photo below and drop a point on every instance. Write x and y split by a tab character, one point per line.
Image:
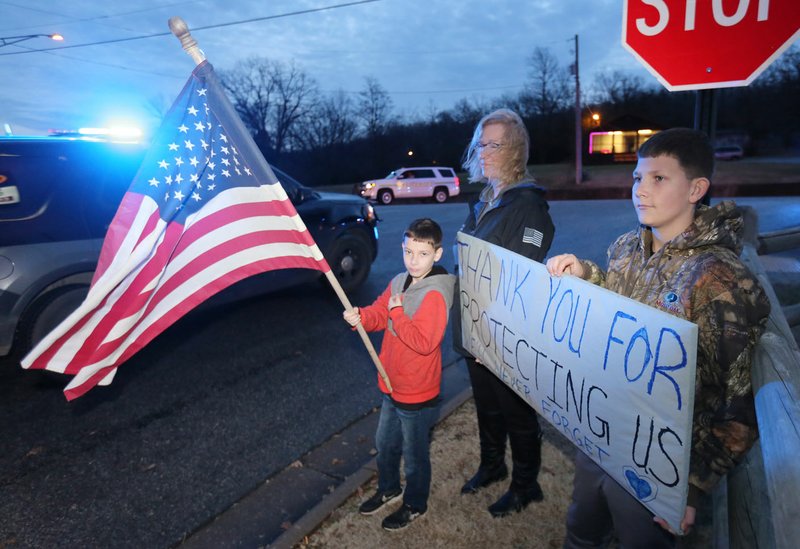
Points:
565	264
686	524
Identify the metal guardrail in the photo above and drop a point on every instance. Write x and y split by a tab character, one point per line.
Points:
759	505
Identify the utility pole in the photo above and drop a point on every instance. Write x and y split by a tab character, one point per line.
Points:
578	129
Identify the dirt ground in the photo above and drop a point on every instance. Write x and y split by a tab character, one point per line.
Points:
456	521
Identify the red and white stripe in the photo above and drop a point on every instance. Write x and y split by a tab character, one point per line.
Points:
152	272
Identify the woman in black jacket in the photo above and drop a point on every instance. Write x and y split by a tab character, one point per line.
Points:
510	212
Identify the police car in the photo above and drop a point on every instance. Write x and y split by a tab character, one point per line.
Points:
57	197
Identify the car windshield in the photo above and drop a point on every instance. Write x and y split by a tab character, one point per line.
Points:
391	175
296	191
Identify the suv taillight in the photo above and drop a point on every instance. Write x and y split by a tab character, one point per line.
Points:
457	182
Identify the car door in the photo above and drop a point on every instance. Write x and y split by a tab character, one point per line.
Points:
403	186
422	183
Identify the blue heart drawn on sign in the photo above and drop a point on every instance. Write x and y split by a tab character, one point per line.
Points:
640	486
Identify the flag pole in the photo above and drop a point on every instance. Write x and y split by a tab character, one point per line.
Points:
361	331
181	30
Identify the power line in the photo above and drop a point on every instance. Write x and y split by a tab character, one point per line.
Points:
131	68
460	90
72	20
231	23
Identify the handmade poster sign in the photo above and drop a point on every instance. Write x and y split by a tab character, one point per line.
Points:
615	376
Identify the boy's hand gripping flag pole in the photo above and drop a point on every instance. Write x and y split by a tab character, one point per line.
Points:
181	31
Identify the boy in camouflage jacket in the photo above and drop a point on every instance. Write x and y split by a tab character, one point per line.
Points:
684	260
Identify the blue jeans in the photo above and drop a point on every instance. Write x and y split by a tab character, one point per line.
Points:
405	433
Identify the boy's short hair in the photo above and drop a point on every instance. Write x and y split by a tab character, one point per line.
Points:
425	230
691	148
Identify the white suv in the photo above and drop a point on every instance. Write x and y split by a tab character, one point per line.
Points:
434	182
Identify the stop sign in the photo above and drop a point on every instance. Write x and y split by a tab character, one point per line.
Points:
691	44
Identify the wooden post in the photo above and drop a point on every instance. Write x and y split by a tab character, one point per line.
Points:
181	31
747	513
778	241
776	378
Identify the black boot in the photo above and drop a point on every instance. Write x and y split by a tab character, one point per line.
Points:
526	455
514	502
484	477
492	435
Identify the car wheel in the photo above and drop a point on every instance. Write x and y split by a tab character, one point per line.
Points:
350	261
385	197
440	195
47	312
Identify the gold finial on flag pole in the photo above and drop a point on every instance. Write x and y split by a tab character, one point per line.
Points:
181	30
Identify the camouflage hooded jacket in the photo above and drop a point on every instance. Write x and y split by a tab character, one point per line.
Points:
698	276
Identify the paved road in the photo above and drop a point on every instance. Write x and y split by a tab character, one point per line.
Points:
220	402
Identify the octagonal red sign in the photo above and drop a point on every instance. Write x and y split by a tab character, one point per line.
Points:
691	44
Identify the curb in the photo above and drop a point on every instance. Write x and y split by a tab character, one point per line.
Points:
292	503
317	515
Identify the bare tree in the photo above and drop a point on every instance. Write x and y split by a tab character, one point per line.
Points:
509	100
270	97
374	107
469	113
296	93
550	88
330	122
252	90
618	87
785	69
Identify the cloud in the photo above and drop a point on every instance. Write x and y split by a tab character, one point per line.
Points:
423	52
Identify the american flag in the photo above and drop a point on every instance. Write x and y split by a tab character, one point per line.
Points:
204	211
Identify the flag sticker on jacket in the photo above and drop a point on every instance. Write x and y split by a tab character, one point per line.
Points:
532	236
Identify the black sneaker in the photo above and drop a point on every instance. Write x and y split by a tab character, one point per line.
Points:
377	501
401	518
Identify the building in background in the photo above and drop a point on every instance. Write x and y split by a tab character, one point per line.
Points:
619	139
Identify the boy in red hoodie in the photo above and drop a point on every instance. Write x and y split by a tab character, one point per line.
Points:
413	312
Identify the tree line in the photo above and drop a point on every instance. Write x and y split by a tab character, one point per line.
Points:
339	137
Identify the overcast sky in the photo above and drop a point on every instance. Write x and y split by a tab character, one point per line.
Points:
426	53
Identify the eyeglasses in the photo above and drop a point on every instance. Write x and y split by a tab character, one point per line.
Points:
490	147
